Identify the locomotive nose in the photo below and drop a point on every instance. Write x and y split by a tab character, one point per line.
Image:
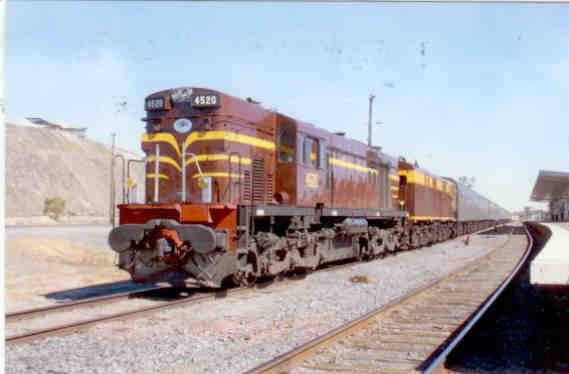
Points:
202	238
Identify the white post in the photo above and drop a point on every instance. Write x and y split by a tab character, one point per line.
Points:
157	173
183	174
112	189
369	141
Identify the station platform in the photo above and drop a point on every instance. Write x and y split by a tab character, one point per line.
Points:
551	266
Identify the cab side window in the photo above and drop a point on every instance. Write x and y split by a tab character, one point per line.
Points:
287	143
322	159
306	150
314	155
310	152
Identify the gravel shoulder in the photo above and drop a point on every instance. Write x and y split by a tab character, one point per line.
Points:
233	334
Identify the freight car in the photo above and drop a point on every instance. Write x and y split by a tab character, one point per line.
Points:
235	191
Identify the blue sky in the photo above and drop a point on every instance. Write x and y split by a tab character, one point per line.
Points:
479	90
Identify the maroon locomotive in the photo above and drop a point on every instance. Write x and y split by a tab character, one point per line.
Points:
235	191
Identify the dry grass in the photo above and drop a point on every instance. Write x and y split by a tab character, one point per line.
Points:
361	279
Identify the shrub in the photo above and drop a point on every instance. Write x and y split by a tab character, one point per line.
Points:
361	279
54	207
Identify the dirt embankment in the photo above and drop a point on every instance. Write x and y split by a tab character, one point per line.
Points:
43	163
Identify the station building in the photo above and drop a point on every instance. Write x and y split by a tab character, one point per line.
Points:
550	267
553	187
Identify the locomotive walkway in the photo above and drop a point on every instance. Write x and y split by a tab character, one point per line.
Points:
551	266
416	332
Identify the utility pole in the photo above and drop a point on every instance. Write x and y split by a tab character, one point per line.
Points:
112	197
371	97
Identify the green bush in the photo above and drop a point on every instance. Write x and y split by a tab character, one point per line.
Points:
54	207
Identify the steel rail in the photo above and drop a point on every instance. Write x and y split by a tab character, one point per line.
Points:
437	361
99	300
289	359
84	324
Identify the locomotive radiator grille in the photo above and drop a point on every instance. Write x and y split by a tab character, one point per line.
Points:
269	188
247	186
258	180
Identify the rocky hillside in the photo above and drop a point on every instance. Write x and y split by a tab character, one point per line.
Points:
43	163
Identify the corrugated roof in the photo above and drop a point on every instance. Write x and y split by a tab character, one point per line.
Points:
550	185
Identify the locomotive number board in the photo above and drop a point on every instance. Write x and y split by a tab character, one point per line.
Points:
205	100
155	103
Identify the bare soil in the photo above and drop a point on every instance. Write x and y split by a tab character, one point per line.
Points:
35	269
72	168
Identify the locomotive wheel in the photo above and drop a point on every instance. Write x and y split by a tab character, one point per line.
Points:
246	274
390	243
364	253
245	277
318	258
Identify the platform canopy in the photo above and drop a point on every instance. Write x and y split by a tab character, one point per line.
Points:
550	185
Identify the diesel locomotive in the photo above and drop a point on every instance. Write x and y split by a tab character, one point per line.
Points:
235	191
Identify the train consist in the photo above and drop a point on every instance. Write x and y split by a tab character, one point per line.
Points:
235	191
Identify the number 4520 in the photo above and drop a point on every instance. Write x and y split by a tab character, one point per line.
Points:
205	100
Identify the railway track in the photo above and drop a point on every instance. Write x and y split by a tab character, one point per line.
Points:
92	306
416	332
73	305
23	333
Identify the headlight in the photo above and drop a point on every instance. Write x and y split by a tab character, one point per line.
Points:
182	125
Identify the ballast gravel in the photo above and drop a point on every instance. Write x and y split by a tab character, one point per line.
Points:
236	333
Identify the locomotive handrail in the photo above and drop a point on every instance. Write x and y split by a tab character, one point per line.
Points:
128	163
157	174
121	157
184	176
239	182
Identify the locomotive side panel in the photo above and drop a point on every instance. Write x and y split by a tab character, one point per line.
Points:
286	161
354	175
324	169
426	197
312	170
355	184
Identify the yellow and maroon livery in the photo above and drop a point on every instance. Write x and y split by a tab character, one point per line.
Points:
235	191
